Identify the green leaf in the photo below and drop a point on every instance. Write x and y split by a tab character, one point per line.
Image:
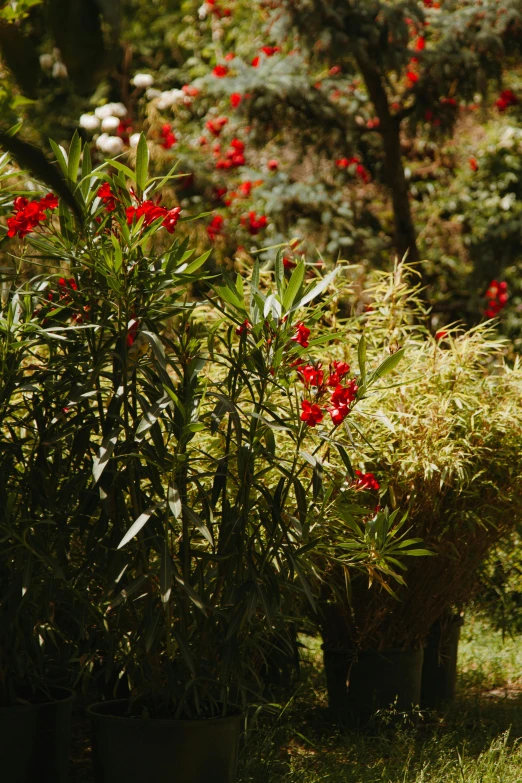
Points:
317	289
139	524
280	274
75	151
361	356
104	454
165	572
142	164
294	286
198	522
346	459
151	416
86	170
174	500
389	364
124	169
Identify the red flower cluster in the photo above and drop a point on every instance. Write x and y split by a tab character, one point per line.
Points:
220	71
217	125
29	214
337	372
253	223
107	196
152	212
507	98
169	139
215	229
344	163
234	156
496	298
341	399
301	335
235	99
366	481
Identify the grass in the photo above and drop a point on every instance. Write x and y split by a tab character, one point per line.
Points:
478	740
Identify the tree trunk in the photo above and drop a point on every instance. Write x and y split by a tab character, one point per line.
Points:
389	127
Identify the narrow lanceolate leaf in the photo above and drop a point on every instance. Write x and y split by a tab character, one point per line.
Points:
389	364
361	356
104	454
139	524
151	416
198	522
280	274
174	500
86	170
165	573
294	285
317	289
75	151
142	163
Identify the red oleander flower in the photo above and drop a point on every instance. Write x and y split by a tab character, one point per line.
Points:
132	331
412	78
302	334
29	214
496	298
420	43
334	70
270	50
342	397
230	56
366	481
169	139
507	98
216	126
235	99
253	223
311	376
215	228
311	413
244	327
255	62
338	414
337	372
272	165
288	263
473	164
107	196
152	212
441	334
220	71
192	92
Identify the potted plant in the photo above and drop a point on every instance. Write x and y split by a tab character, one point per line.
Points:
446	445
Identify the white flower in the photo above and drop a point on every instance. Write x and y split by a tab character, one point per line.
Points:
134	139
89	121
203	11
110	110
143	80
110	145
153	93
46	61
169	98
59	71
110	123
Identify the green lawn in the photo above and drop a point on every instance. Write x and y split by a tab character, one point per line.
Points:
476	741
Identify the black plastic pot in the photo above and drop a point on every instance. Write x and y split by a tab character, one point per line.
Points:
439	670
359	684
35	740
336	667
135	750
383	680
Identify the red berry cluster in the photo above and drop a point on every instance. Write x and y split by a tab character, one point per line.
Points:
496	298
